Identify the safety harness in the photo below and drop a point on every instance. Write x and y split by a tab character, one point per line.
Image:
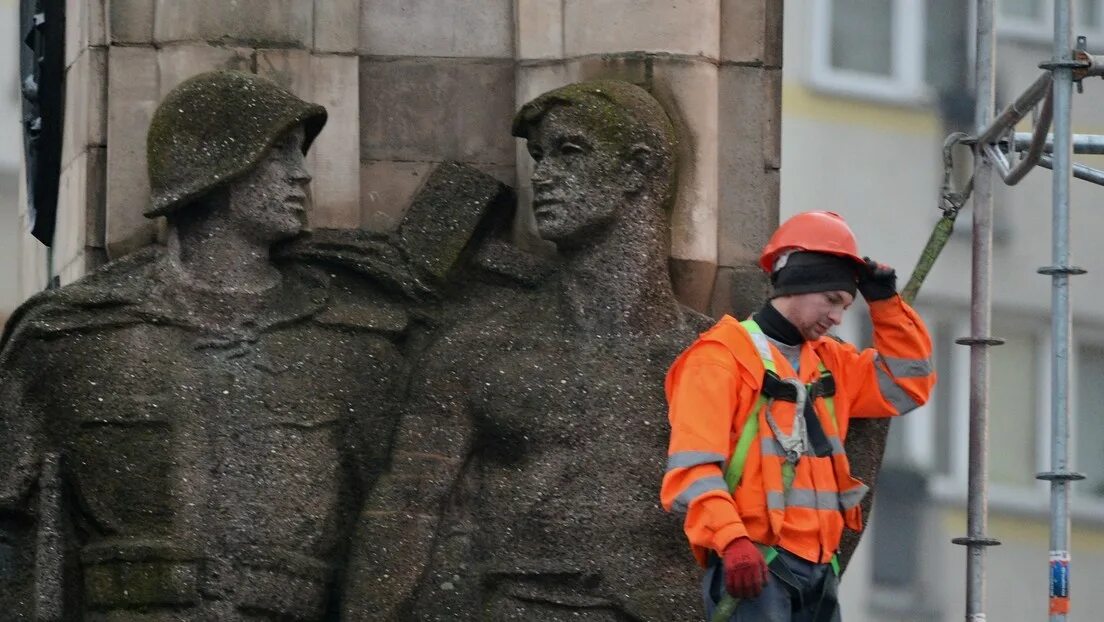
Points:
807	437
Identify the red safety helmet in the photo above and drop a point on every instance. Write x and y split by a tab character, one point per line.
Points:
818	232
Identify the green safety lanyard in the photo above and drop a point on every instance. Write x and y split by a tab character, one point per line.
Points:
751	427
735	470
951	203
938	239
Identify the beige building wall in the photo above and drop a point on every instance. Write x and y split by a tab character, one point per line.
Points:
411	84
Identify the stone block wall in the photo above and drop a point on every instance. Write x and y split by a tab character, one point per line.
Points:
79	236
412	83
436	83
716	66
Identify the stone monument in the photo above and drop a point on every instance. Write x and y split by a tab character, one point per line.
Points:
254	422
524	473
188	432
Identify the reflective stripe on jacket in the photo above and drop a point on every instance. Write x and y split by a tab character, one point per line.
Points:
712	388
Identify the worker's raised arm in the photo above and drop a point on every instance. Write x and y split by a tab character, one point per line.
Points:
703	399
896	375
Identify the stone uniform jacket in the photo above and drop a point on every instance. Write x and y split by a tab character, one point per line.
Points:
202	464
713	387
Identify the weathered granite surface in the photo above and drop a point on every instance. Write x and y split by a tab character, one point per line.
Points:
865	444
524	474
257	423
190	431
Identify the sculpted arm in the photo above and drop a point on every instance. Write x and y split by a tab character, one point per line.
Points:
397	528
21	432
21	447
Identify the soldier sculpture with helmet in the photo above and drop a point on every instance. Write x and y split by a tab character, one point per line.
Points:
189	430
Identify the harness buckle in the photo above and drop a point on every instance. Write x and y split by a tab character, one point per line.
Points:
796	443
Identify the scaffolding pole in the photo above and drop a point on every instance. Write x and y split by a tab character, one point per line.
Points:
1082	143
979	341
1062	66
995	138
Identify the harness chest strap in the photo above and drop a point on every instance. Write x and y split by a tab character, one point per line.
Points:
735	469
750	432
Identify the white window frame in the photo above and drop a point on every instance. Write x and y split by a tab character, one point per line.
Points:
1082	336
954	486
905	85
1042	31
1031	500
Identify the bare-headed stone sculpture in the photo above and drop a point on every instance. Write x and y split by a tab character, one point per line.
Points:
524	473
188	433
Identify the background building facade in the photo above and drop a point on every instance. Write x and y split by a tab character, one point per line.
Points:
870	90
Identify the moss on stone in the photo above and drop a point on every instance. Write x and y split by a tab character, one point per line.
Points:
621	114
618	114
214	127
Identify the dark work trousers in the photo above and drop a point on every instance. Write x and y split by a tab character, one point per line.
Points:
796	591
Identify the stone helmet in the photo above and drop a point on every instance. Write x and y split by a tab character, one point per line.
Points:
213	128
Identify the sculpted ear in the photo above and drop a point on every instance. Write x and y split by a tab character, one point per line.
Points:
641	165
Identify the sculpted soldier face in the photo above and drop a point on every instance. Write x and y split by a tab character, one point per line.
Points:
579	182
269	202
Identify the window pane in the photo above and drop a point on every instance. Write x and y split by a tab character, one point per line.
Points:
943	345
898	527
1089	414
1088	14
861	36
946	57
1029	9
1012	398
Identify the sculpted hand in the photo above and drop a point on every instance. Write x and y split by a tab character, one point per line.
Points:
877	281
745	570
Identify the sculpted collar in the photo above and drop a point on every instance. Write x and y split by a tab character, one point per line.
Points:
302	293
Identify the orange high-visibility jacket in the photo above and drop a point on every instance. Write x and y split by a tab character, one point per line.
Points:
713	387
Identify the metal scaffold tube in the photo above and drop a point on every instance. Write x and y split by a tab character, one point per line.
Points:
994	139
1062	65
1080	171
1082	143
979	341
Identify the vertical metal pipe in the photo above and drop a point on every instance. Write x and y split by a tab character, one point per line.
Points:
1059	271
977	477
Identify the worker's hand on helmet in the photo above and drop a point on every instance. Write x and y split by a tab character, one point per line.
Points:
745	570
877	281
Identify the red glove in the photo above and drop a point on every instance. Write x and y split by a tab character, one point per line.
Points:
745	570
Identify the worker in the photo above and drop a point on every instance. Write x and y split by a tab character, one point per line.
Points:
759	412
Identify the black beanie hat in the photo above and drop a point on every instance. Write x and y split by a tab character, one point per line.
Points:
806	272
